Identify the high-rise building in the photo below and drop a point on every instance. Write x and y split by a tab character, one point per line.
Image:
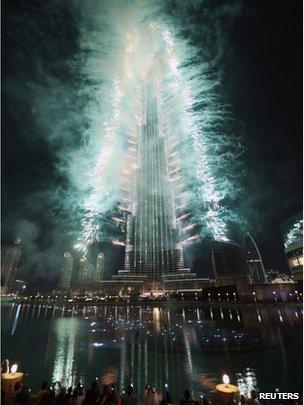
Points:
229	264
86	271
10	264
292	230
153	243
99	267
66	271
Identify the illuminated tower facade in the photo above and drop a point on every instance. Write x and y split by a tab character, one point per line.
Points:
86	271
83	269
99	271
66	271
154	164
153	243
153	246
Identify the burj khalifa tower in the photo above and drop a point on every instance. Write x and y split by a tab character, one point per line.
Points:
153	250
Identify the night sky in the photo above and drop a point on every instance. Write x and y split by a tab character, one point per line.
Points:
259	57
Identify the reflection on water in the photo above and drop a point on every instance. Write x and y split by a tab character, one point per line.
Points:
154	345
246	381
65	332
16	319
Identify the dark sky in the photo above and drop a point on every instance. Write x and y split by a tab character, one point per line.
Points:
267	98
261	73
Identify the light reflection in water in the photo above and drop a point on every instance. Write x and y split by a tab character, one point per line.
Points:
12	310
189	364
246	381
156	318
66	330
152	345
146	359
16	320
259	316
139	368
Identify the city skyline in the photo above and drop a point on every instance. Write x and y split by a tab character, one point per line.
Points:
277	172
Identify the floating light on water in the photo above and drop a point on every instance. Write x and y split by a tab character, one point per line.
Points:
14	368
226	379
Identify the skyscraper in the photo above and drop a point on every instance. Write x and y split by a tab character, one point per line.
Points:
99	267
153	236
66	271
153	245
86	271
10	264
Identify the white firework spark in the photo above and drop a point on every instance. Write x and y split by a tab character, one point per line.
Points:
190	130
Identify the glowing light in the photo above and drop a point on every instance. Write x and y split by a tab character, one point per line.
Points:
119	220
97	344
295	233
226	379
184	216
190	239
14	368
189	227
118	243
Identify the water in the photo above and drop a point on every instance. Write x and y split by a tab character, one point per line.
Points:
153	345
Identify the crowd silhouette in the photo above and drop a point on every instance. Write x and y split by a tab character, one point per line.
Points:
57	394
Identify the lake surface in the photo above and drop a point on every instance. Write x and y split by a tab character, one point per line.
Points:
153	345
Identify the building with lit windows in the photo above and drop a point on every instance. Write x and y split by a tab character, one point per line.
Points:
229	264
66	272
86	271
154	249
100	265
292	230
